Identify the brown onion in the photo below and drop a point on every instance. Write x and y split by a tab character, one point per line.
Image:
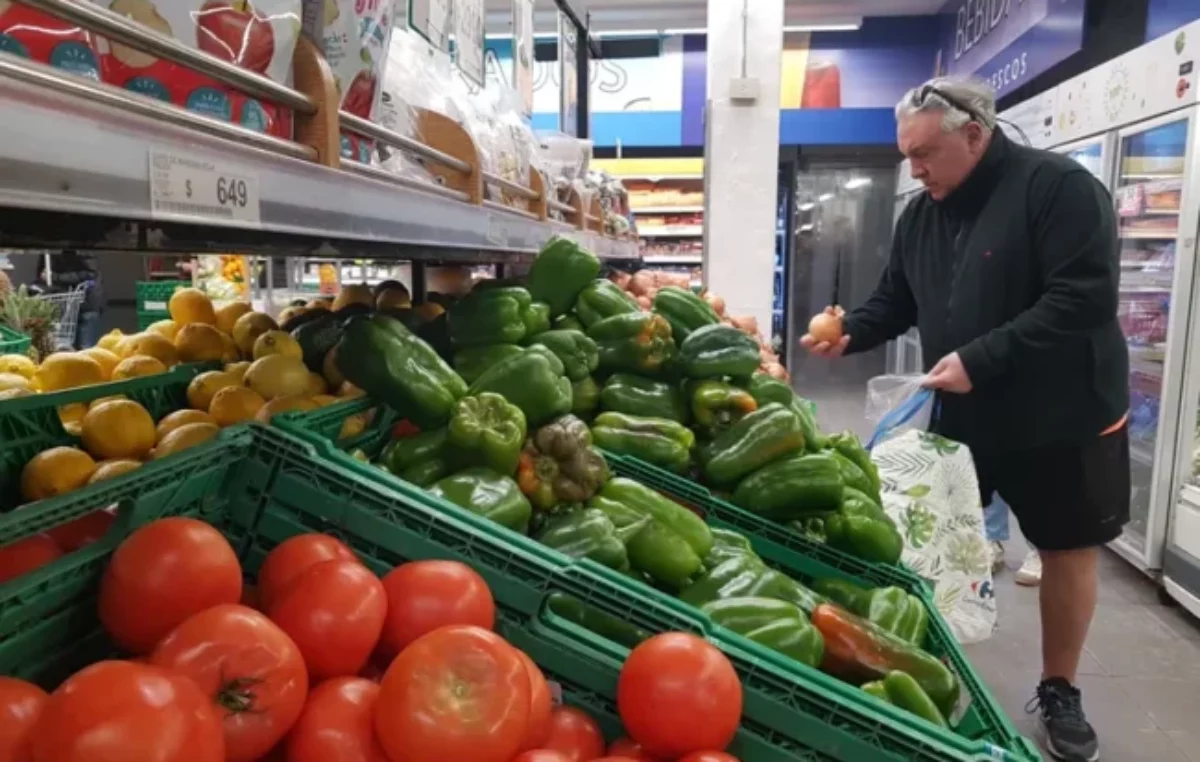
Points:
825	327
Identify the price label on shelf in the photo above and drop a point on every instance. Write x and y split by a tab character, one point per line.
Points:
468	39
431	19
1131	200
194	188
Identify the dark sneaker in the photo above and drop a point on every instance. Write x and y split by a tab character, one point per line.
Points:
1059	707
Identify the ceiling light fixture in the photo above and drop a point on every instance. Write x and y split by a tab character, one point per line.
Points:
806	228
825	197
807	207
846	26
630	33
858	182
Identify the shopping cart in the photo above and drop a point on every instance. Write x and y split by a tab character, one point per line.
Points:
67	304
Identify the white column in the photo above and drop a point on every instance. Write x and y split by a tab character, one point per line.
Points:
741	155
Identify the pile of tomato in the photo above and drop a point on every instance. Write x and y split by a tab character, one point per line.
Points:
322	660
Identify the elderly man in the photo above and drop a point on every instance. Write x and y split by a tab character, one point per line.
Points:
1008	266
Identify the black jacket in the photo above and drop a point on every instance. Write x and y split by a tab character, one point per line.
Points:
1017	271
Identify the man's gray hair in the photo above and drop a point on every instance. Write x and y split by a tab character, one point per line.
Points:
949	95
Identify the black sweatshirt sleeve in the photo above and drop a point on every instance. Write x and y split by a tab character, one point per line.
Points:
1075	245
890	310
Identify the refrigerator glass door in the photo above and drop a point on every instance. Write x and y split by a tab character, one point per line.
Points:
1092	154
1152	309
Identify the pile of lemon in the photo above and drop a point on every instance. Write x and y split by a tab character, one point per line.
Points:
263	374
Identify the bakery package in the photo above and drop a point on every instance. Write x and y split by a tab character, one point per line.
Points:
29	33
259	36
354	36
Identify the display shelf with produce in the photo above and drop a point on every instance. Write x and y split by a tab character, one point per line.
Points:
288	196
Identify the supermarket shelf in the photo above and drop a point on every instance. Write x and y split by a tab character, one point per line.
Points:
670	260
1173	212
1145	263
657	178
75	170
672	231
1152	176
1151	235
666	209
1166	289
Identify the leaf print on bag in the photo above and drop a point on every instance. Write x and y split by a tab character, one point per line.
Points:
938	444
967	553
918	490
946	597
902	465
919	524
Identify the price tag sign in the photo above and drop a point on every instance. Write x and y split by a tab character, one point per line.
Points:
195	188
568	108
523	54
498	229
431	19
468	38
1131	200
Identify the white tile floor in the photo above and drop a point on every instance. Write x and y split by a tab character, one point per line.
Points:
1140	673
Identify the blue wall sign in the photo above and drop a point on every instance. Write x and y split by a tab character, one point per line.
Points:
1008	42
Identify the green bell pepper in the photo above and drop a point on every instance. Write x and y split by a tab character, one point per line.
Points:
853	476
745	574
858	651
862	529
490	316
601	299
562	269
875	688
426	472
636	395
905	692
536	318
585	397
568	322
559	467
848	445
794	487
717	405
575	349
669	541
532	381
727	544
891	608
486	493
775	624
811	528
471	362
594	620
400	454
486	430
718	350
588	533
766	435
765	388
658	441
684	311
384	359
637	342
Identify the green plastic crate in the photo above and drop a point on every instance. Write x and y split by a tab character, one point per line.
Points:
12	342
29	425
982	728
261	486
153	295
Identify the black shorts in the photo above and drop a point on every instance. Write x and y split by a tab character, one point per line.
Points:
1065	497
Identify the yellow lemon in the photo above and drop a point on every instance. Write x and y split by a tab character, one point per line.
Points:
324	399
277	376
71	417
179	418
137	366
14	393
284	405
349	391
151	345
291	312
55	471
19	364
112	468
165	328
13	381
316	385
187	435
247	329
67	370
228	315
200	342
118	429
238	369
277	343
235	404
189	306
110	340
108	360
353	425
201	389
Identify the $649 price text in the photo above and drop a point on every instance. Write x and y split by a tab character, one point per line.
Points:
230	191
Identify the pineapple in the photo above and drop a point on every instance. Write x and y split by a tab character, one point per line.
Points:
33	317
5	286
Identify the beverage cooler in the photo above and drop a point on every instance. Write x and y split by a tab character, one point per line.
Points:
904	353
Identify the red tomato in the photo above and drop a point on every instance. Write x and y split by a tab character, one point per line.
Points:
23	556
117	710
161	575
83	531
678	694
574	734
20	705
614	759
425	595
541	755
251	671
337	724
460	692
334	611
539	705
709	756
627	747
293	556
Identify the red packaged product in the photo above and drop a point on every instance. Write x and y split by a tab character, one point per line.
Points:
31	34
